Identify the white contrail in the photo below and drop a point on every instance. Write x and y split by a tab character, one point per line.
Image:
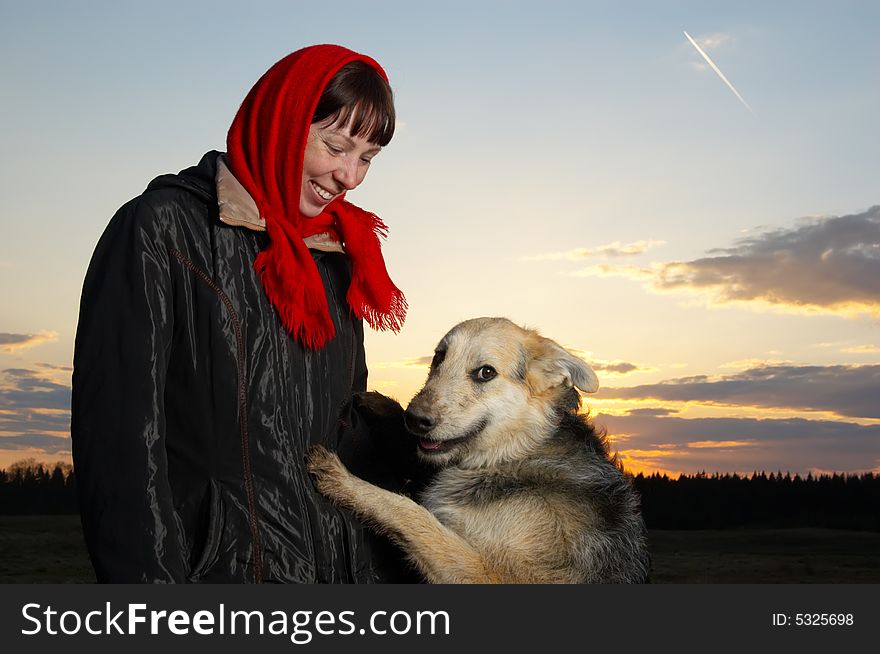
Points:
720	74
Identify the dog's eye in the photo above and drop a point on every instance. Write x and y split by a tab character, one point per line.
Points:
484	373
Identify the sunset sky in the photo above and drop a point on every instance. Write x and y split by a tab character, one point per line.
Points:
575	166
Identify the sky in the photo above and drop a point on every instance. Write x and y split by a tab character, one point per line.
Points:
578	167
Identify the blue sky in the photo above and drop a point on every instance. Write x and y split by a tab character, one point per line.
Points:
574	166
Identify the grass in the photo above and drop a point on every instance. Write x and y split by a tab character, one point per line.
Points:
43	549
50	549
824	556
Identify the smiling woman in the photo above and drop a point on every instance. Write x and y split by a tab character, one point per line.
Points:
336	160
353	121
240	286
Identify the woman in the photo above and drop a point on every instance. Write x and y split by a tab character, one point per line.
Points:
220	336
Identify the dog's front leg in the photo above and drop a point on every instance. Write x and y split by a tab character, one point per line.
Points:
440	554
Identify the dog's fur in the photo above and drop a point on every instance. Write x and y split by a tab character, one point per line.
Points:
526	491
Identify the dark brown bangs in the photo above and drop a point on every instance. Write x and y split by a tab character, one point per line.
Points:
359	94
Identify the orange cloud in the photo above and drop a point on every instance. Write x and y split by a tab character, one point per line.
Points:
862	349
11	343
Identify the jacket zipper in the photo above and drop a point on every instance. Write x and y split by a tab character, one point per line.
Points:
202	274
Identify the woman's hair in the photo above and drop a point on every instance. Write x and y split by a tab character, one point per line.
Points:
360	91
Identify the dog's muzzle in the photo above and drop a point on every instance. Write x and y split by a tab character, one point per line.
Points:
418	423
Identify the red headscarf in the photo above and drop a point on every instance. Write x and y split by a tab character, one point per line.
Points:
266	145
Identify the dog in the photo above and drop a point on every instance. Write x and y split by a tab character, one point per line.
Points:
525	489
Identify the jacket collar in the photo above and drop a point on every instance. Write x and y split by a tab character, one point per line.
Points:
238	209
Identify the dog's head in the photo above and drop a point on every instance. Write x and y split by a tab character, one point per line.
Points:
494	391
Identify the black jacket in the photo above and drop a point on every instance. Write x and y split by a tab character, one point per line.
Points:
193	409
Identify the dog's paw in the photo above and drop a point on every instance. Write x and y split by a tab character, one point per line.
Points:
329	473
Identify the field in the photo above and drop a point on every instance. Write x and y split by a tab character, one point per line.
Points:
820	556
50	549
43	549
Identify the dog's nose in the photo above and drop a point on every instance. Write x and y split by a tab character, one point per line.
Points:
418	423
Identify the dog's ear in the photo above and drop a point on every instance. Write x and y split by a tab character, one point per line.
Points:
552	365
580	374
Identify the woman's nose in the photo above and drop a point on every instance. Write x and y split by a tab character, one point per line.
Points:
347	173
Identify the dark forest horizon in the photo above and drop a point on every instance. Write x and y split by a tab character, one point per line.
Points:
698	501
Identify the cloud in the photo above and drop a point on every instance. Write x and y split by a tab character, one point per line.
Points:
847	390
610	251
862	349
35	409
742	445
708	43
43	443
635	273
34	421
746	364
706	445
714	41
615	368
21	388
49	366
825	265
655	412
10	343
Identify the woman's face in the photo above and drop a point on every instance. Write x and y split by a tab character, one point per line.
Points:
334	162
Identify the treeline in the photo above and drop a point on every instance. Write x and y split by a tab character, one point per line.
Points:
30	488
698	501
777	500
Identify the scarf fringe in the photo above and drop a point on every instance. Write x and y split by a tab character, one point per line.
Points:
372	295
390	318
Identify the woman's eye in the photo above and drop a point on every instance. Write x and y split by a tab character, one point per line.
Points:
334	149
484	373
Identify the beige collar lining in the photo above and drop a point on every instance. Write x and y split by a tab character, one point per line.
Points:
238	209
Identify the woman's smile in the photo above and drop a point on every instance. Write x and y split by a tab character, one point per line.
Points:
335	161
